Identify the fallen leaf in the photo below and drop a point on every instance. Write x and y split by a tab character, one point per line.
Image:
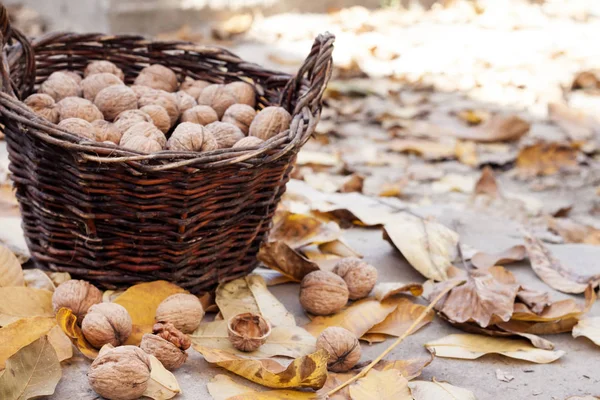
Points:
536	301
11	273
298	230
67	321
18	302
485	260
469	347
308	371
250	294
61	343
573	232
398	322
378	385
473	117
588	327
21	333
36	278
504	376
141	301
422	390
383	290
466	153
549	269
162	384
577	124
288	341
306	157
325	262
32	372
339	248
430	150
498	128
281	257
546	159
487	184
271	277
232	26
427	245
222	387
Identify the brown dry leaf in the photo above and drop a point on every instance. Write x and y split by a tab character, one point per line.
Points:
487	184
21	333
498	128
428	149
162	384
578	125
222	387
485	260
422	390
36	278
271	277
466	153
11	273
546	159
398	322
427	245
325	262
281	257
378	385
535	300
470	347
67	321
308	371
549	269
383	290
298	230
560	310
358	318
32	372
339	248
394	189
573	232
588	327
18	302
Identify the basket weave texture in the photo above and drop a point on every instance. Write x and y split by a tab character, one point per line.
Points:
115	216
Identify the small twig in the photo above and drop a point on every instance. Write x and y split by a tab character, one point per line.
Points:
399	340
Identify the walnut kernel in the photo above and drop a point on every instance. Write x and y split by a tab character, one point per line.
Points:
167	344
323	293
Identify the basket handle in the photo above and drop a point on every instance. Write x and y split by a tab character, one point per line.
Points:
7	32
317	70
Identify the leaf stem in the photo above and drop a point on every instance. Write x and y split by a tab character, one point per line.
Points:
399	340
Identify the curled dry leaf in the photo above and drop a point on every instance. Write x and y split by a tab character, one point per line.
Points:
223	387
18	302
588	327
32	372
11	273
470	347
396	323
546	159
298	230
549	269
422	390
162	384
535	300
281	257
510	255
307	372
427	245
67	321
389	384
384	290
272	277
573	232
141	302
339	248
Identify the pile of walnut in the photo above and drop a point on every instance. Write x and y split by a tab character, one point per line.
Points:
156	112
122	372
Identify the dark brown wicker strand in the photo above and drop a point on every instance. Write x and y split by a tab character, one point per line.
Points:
116	216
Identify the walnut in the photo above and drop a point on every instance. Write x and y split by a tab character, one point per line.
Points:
247	332
142	144
160	116
162	98
128	118
140	90
74	75
60	85
240	115
76	107
216	97
145	129
192	87
167	344
106	131
44	106
98	67
202	115
106	323
77	296
186	137
78	127
93	84
121	373
226	134
184	101
323	293
248	141
360	277
243	93
210	142
269	122
343	348
158	77
113	100
183	310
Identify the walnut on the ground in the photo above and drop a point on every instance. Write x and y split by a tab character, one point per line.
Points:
167	344
323	293
106	323
183	310
76	295
343	348
359	275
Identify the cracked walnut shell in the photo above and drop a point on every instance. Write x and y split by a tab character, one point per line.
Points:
202	115
106	323
240	115
44	106
98	67
77	296
158	77
93	84
113	100
226	134
247	331
343	348
60	85
78	127
183	310
360	276
76	107
167	344
270	122
323	293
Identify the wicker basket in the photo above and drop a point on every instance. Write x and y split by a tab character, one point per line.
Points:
114	216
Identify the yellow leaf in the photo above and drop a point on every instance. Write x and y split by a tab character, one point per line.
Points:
299	230
141	301
428	149
358	318
588	327
470	347
381	385
21	333
309	371
61	343
435	390
288	341
59	277
542	159
402	318
32	372
339	248
223	387
36	278
427	245
162	384
484	260
68	323
250	294
281	257
473	117
11	273
272	277
387	289
374	337
18	302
